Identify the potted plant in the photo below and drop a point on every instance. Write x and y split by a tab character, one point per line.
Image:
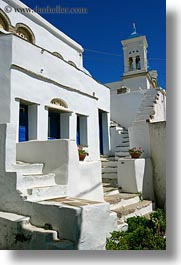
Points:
82	153
135	152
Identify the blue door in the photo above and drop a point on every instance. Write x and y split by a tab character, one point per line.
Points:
23	123
78	131
54	125
100	133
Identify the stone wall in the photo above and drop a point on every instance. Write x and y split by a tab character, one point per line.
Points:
158	154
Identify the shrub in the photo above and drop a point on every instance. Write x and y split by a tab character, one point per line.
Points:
142	234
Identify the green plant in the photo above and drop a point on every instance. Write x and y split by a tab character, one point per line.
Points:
81	150
142	234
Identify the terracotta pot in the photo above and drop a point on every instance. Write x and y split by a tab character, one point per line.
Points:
135	155
82	157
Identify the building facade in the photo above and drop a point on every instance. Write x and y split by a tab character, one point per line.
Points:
45	89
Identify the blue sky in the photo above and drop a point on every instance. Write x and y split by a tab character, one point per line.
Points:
105	25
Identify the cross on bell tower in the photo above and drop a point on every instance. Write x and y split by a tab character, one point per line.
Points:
135	53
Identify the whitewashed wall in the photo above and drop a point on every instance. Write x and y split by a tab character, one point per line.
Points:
43	31
124	107
158	154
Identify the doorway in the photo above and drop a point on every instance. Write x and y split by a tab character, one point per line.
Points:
53	125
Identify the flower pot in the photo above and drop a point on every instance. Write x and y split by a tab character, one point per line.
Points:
135	155
82	157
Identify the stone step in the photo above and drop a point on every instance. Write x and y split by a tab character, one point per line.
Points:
110	189
125	141
146	108
35	180
44	193
125	136
121	154
109	176
142	116
109	164
151	91
108	158
125	144
124	132
137	209
146	112
25	235
28	168
109	170
151	97
121	149
121	200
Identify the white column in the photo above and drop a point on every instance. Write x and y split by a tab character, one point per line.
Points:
42	123
32	121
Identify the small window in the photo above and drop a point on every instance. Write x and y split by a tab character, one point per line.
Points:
59	102
138	65
72	63
58	55
122	90
4	21
130	63
25	32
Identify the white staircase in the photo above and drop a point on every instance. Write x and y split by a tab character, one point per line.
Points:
109	169
121	134
146	110
34	185
125	205
28	236
123	148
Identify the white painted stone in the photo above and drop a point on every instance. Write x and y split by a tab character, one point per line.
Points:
40	180
109	170
27	168
135	176
44	193
109	176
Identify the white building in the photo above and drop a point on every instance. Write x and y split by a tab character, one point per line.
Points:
136	97
138	115
49	104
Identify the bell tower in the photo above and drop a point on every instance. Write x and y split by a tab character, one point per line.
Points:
135	53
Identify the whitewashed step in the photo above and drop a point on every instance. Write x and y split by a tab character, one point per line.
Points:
38	238
122	149
109	170
125	144
151	97
137	209
125	136
28	168
109	189
122	154
151	91
146	112
124	132
143	117
148	102
44	193
121	200
38	180
146	108
109	176
109	164
108	158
